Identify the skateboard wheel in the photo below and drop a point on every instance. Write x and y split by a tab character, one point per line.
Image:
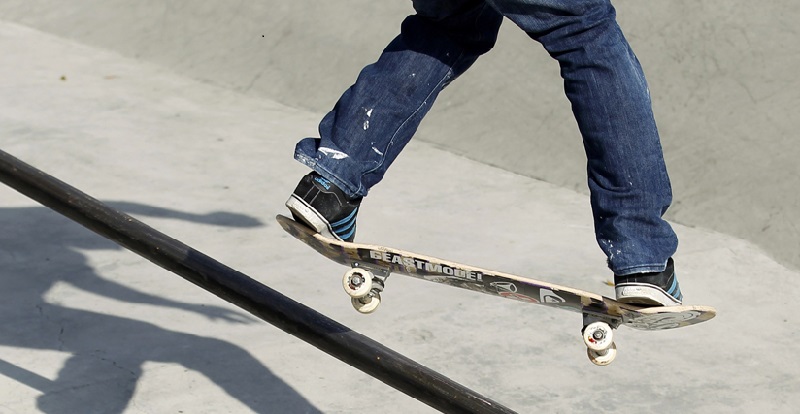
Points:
603	358
367	304
357	282
598	336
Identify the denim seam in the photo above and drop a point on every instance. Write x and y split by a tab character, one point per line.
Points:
314	165
647	268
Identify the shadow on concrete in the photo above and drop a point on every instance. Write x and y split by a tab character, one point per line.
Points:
38	249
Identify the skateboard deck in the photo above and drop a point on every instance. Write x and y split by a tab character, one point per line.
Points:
378	262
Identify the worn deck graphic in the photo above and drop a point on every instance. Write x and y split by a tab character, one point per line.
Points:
385	260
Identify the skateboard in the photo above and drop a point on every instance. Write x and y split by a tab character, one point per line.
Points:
371	265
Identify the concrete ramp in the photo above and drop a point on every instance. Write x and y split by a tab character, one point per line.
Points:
87	327
722	75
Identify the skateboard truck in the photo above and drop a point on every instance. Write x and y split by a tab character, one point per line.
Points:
364	287
598	335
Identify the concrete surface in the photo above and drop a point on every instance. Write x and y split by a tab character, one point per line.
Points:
87	327
722	74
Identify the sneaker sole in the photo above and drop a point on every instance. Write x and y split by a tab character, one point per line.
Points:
644	294
310	217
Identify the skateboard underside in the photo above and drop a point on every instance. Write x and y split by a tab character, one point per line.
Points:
371	265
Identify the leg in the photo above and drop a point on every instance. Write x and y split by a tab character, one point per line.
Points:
378	115
630	189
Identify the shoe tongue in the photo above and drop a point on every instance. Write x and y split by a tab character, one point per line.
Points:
324	182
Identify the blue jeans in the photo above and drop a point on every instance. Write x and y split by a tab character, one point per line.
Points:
377	116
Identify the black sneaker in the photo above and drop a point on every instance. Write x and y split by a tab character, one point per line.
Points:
654	289
324	207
